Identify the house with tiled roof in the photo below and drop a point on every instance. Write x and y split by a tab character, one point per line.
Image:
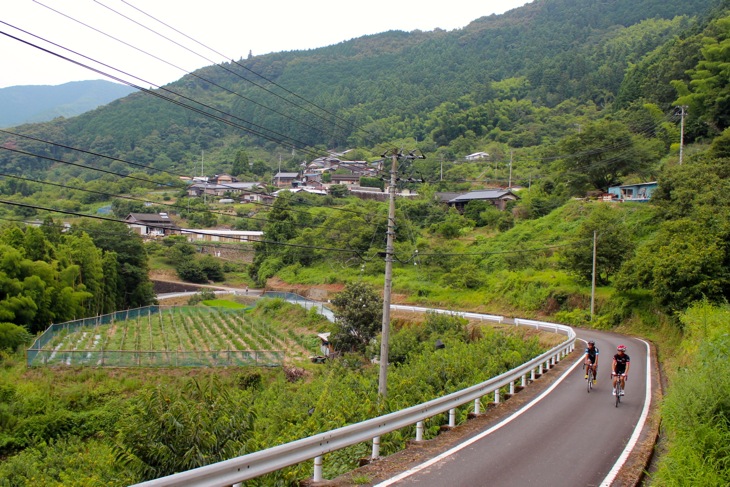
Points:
151	224
498	197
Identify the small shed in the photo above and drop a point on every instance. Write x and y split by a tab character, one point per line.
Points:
640	192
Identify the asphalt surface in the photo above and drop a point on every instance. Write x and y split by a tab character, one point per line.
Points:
568	438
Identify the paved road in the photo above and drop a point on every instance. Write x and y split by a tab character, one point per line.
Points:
568	438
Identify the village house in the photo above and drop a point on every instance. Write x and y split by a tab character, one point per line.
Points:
248	191
497	197
346	179
476	156
284	179
151	224
220	235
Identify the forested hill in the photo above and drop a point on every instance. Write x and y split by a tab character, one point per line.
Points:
26	104
382	87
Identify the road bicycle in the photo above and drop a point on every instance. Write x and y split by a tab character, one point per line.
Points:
617	389
590	375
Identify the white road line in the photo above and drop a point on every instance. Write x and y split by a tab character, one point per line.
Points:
614	470
639	426
481	435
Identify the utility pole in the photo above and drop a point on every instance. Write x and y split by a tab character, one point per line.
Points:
388	286
681	134
202	175
385	332
593	275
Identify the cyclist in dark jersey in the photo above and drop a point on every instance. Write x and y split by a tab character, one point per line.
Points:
620	367
591	359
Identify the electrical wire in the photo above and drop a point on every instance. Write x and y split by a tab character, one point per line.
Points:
161	227
213	62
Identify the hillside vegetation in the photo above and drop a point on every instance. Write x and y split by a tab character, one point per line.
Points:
28	104
567	97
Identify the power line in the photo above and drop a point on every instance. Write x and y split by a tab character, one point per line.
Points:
228	70
196	232
298	200
286	141
250	100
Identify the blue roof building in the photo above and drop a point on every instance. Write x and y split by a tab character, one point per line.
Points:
640	192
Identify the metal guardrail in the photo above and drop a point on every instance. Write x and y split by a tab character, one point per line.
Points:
236	470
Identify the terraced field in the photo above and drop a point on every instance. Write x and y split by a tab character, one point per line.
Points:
170	336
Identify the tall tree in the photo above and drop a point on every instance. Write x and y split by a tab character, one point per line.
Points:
280	228
708	93
131	256
613	245
603	153
358	317
241	163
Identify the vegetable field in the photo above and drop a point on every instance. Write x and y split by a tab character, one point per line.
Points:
159	336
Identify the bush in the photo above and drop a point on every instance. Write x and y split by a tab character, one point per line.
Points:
176	429
13	336
191	271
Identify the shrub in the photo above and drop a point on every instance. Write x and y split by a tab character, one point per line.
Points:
176	429
13	336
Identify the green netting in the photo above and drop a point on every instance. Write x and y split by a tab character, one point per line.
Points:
157	336
126	358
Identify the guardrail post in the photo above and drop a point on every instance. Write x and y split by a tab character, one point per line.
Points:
539	369
524	380
452	417
532	375
317	469
496	396
512	388
419	431
477	404
376	448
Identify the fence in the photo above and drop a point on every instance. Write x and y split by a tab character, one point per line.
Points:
156	336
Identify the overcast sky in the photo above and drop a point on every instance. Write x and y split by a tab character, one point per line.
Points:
231	28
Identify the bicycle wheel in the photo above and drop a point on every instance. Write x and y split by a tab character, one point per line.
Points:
617	390
589	386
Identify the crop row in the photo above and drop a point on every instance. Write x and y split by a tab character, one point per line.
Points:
170	336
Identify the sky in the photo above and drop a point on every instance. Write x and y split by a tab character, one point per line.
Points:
199	33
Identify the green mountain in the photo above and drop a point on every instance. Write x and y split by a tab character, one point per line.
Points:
29	104
376	89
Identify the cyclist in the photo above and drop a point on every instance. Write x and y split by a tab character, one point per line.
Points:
591	359
620	368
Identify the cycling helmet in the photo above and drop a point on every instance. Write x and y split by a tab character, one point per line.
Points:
621	348
591	342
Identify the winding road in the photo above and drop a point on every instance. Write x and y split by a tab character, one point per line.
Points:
565	437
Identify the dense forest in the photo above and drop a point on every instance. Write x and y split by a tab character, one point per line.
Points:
567	97
520	79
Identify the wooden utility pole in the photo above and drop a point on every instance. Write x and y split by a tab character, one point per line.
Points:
389	255
385	332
